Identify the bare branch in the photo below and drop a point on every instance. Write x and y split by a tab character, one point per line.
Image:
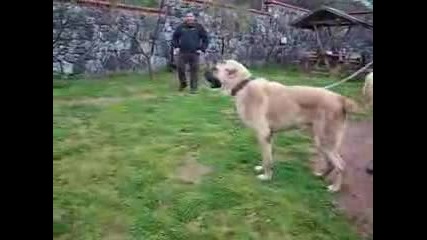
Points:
63	23
156	30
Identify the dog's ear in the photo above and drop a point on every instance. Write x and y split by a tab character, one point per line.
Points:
231	72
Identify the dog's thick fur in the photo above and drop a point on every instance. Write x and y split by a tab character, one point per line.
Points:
269	107
368	89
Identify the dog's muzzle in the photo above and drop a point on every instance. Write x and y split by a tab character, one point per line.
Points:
215	83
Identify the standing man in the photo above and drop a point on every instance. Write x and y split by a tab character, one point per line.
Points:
190	39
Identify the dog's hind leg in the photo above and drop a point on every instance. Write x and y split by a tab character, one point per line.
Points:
265	138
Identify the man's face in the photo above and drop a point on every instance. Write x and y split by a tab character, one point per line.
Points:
189	19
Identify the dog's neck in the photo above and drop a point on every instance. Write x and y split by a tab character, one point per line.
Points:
239	86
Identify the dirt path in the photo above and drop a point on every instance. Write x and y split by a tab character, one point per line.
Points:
356	198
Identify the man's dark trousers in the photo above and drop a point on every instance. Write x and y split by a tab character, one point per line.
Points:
191	59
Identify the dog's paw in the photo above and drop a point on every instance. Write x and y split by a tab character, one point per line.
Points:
263	177
258	168
333	189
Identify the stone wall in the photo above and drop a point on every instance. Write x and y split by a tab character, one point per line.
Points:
90	37
251	37
97	40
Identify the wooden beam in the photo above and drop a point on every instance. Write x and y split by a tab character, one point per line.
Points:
332	22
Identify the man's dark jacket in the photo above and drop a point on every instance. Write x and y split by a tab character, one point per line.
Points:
190	37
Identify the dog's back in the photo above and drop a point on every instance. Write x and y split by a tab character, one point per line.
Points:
323	98
286	106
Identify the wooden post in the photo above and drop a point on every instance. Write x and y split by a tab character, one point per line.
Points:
322	50
335	65
347	33
343	40
331	38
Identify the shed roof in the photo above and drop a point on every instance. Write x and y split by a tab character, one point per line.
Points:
328	17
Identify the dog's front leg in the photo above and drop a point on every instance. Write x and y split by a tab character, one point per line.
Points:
265	138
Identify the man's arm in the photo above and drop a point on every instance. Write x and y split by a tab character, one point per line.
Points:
204	38
175	37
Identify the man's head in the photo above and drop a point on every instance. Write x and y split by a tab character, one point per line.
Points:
227	74
189	18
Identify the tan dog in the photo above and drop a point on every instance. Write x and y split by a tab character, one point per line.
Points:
269	107
368	89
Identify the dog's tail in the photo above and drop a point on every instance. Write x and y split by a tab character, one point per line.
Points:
350	106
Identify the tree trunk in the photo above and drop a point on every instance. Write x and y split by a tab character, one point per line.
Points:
149	67
270	52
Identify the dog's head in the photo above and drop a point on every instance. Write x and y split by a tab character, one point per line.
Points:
227	74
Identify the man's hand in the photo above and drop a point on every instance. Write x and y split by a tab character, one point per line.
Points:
175	51
199	52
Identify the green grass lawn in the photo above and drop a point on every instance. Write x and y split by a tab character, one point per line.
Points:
118	143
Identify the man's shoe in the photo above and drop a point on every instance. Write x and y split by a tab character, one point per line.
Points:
370	168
